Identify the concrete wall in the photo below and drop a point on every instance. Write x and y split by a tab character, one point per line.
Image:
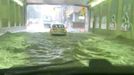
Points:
114	17
11	14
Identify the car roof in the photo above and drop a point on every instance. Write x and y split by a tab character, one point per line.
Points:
57	24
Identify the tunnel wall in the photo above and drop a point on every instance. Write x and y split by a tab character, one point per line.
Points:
11	14
113	17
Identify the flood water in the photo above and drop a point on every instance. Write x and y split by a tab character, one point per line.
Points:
27	49
48	49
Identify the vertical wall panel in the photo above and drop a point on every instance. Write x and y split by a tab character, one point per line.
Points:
119	15
10	13
132	1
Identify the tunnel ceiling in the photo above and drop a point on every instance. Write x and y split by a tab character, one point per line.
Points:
68	2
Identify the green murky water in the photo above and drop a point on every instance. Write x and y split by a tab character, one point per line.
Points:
24	49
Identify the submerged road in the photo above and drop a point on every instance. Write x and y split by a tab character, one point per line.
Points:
47	49
26	49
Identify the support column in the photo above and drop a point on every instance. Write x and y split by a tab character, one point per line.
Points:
19	16
8	3
87	20
9	25
0	23
15	15
74	17
15	25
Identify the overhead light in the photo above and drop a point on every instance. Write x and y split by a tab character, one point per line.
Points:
19	2
96	2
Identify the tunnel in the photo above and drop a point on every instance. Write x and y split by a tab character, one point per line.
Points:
66	37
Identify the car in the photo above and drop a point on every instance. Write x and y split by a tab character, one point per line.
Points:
58	29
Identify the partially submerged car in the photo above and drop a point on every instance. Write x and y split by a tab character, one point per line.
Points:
58	29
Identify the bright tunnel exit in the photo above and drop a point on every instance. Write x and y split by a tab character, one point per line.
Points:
41	17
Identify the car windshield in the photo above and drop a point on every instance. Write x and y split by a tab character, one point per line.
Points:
90	29
58	26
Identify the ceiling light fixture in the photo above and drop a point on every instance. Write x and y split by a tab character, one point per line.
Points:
19	2
94	3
